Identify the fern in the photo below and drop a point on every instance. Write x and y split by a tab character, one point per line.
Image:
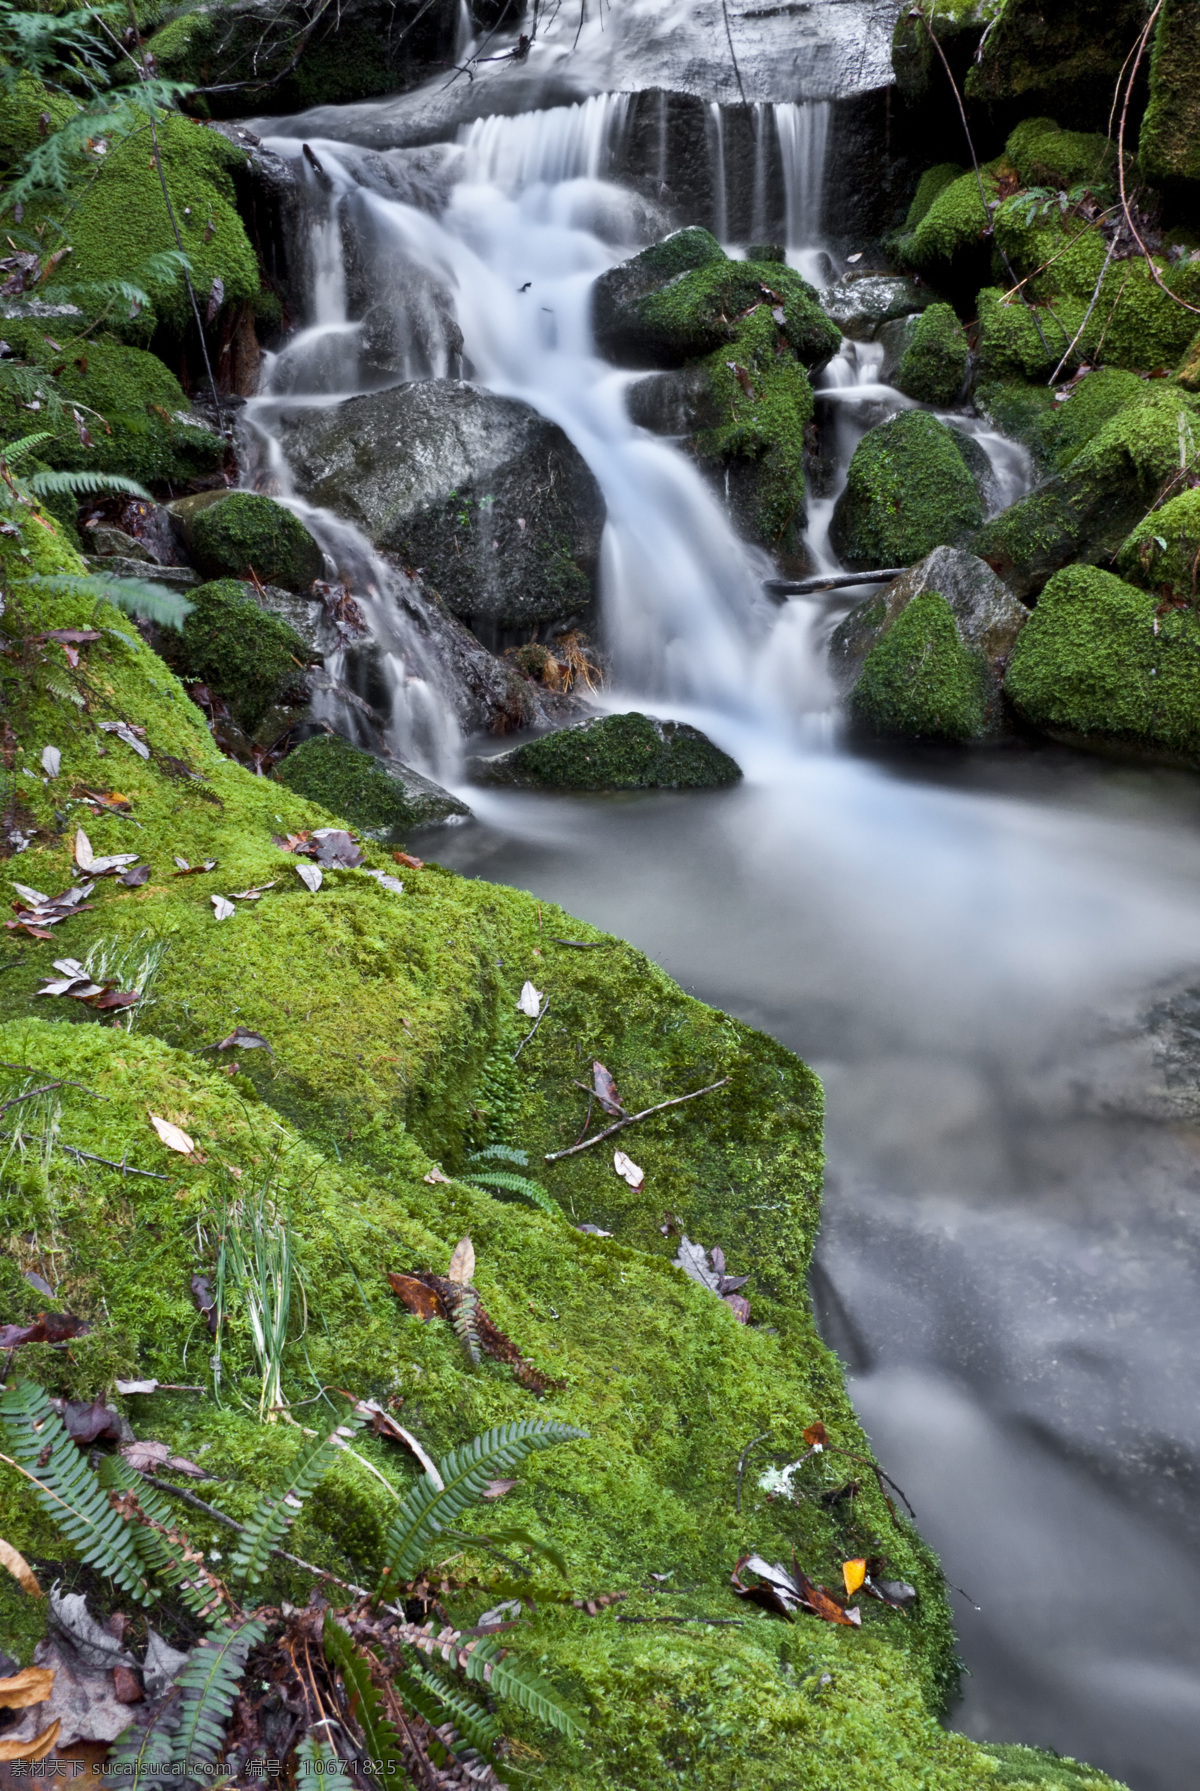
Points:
366	1706
276	1511
428	1510
437	1699
500	1153
68	1491
318	1759
14	452
82	484
487	1663
163	1549
463	1302
135	596
516	1184
61	690
191	1732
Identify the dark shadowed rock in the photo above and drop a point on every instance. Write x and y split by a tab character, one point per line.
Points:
614	752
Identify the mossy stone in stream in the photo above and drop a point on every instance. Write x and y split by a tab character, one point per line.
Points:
908	490
934	365
242	652
1163	552
245	532
615	752
383	800
1098	666
919	681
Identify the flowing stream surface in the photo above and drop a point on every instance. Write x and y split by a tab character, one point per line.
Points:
986	959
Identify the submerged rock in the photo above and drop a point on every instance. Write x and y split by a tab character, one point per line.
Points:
487	498
380	797
615	752
909	489
243	532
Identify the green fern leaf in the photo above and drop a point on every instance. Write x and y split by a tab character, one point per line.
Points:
134	595
510	1537
82	484
68	1491
500	1153
476	1730
189	1734
19	450
488	1664
276	1511
159	1542
381	1743
516	1184
318	1760
429	1510
61	690
463	1302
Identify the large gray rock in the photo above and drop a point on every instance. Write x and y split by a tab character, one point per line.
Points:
860	304
986	614
486	498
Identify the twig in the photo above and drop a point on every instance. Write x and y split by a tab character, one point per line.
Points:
1133	229
533	1029
632	1119
585	944
1087	316
221	1517
829	581
44	1089
151	1175
742	1460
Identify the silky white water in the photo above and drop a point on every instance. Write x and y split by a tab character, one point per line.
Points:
1010	1241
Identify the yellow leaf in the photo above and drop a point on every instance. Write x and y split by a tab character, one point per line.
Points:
172	1136
462	1263
19	1567
853	1575
37	1749
33	1686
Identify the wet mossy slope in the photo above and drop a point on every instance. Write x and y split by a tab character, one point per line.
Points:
393	1025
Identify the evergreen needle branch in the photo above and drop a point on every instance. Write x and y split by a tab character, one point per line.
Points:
632	1119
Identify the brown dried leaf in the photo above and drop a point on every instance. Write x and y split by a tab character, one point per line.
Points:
406	858
32	1686
20	1569
88	1422
47	1327
420	1299
205	1301
245	1040
145	1457
435	1176
816	1435
37	1749
496	1489
605	1090
172	1136
462	1264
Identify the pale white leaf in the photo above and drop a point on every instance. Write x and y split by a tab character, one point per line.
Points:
462	1263
51	761
310	875
222	909
174	1137
70	967
529	1002
85	858
435	1176
628	1170
34	897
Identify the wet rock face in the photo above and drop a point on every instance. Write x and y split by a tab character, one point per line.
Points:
615	752
487	498
860	304
985	616
381	797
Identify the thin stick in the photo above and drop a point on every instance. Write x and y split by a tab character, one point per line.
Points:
151	1175
743	1458
31	1092
532	1030
585	944
732	52
619	1125
723	1622
829	581
1133	229
1087	315
190	1498
24	1068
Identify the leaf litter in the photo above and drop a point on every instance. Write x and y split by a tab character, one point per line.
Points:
708	1269
454	1299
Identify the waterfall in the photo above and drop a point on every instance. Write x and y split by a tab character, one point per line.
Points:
714	126
560	144
758	212
803	135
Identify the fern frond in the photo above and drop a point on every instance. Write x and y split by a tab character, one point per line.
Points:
382	1744
161	1545
463	1302
62	691
516	1184
488	1664
429	1510
500	1153
82	484
506	1538
319	1760
68	1491
186	1739
276	1511
136	596
16	451
439	1701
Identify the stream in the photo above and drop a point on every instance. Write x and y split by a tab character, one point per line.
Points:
986	960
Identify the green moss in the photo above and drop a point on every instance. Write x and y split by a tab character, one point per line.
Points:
26	102
678	253
245	533
1169	143
616	752
699	311
1021	1766
931	186
143	428
953	224
934	365
117	219
919	681
763	399
1062	60
242	652
1094	401
1045	156
354	784
1096	664
908	490
1187	374
1163	552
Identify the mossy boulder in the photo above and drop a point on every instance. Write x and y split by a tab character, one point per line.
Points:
1169	143
26	102
948	242
1096	665
693	313
1046	156
382	798
1061	60
908	490
615	752
244	654
1163	551
244	532
622	287
918	681
933	367
1025	411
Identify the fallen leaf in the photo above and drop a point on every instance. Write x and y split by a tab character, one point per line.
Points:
145	1457
739	1306
384	881
605	1091
116	998
384	1425
87	1421
37	1749
172	1136
20	1569
310	875
853	1574
47	1327
816	1436
628	1170
529	1001
693	1260
414	864
824	1605
594	1231
222	908
192	870
205	1301
246	1040
33	1686
462	1264
92	866
434	1176
336	848
424	1302
135	878
51	760
33	897
124	731
253	895
896	1593
782	1593
496	1489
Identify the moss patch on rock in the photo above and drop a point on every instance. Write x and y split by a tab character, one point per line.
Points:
908	490
1063	60
919	681
950	233
1163	551
1169	143
382	801
1097	666
615	752
1045	156
244	654
934	365
245	532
